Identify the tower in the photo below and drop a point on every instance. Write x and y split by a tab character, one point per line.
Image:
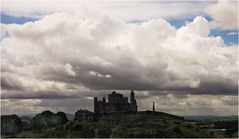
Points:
133	104
95	104
104	100
153	106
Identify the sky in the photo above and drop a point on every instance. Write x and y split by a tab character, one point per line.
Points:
57	55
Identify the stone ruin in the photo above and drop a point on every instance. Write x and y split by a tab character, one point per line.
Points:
116	103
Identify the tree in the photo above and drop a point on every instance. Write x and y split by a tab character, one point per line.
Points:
48	119
11	124
63	117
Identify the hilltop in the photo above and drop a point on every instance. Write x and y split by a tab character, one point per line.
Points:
127	125
133	126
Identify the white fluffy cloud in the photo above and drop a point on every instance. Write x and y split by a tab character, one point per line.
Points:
65	49
65	55
68	69
224	13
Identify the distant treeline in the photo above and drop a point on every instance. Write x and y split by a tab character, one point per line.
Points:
211	117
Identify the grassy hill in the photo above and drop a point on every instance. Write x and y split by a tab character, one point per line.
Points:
132	127
212	117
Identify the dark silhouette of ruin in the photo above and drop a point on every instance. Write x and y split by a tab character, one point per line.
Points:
116	103
118	107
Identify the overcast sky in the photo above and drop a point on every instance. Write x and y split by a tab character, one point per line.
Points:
58	55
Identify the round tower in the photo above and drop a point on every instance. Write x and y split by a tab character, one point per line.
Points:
133	104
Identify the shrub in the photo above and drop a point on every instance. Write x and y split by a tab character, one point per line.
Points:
120	133
104	132
177	130
48	119
87	132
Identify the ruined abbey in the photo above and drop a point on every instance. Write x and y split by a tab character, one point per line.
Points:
116	103
118	107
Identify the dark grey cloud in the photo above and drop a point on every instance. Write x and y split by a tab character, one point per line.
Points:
46	94
9	84
187	105
218	87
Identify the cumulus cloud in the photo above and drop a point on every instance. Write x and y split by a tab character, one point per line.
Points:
64	52
224	13
199	26
65	57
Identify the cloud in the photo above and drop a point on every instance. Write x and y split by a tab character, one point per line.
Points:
224	13
193	104
232	33
199	26
64	53
93	73
68	69
127	10
64	59
188	105
20	106
46	94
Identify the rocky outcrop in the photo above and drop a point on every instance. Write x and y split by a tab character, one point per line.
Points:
11	124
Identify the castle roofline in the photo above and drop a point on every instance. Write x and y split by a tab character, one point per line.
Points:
115	93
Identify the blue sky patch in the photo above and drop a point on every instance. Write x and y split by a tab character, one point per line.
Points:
182	22
230	37
177	23
8	19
